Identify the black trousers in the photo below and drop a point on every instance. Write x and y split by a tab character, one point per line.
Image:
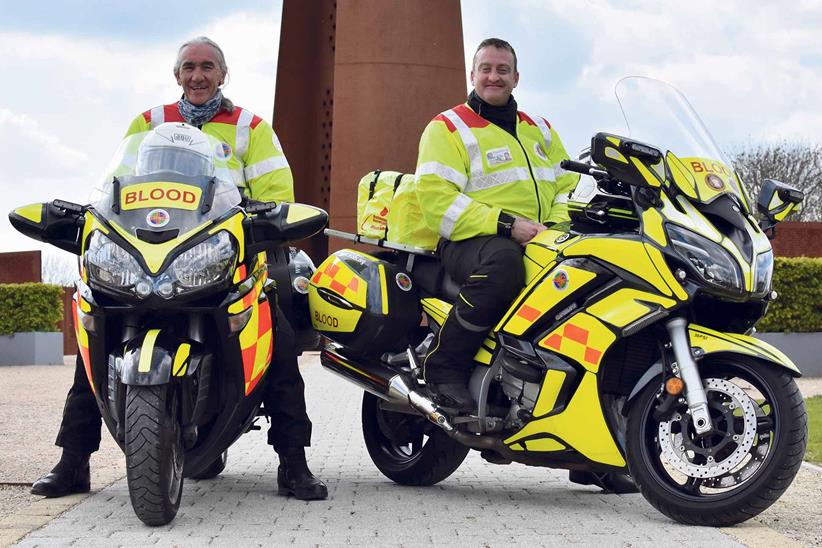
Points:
491	272
284	401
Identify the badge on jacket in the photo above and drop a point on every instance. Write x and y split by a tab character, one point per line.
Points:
498	156
540	151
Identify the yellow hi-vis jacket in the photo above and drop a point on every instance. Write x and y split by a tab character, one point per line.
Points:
255	157
470	170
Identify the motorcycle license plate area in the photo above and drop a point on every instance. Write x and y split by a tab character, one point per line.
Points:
160	195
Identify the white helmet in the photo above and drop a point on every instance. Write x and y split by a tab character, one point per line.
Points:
176	147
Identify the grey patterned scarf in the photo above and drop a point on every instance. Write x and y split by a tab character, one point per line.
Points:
197	115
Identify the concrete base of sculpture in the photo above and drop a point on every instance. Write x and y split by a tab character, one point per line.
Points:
805	349
38	348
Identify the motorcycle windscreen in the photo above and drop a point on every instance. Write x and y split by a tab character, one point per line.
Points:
165	205
658	114
154	201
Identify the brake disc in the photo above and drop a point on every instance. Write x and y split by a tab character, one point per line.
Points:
681	451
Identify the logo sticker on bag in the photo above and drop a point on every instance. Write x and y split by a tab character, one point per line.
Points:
404	281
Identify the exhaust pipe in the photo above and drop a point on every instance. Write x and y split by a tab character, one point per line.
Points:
383	382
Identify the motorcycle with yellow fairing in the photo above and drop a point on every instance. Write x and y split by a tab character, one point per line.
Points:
172	312
630	349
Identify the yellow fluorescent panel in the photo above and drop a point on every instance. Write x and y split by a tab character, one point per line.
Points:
627	254
551	386
652	226
714	341
582	338
546	296
299	212
543	444
32	212
581	425
621	308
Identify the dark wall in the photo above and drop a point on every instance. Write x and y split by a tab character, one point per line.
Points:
357	81
19	267
795	239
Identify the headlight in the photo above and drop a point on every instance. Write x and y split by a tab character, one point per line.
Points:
204	264
763	272
708	260
111	265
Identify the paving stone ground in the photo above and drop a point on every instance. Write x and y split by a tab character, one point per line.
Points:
480	505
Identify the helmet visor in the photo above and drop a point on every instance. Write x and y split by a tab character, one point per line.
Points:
176	159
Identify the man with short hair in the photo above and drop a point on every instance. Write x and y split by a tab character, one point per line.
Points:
488	178
488	181
259	167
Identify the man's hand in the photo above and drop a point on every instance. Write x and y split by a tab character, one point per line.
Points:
523	230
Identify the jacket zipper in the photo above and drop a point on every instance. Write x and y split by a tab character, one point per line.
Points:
534	179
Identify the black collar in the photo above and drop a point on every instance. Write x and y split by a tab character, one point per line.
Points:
504	116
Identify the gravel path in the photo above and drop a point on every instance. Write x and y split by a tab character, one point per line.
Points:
31	403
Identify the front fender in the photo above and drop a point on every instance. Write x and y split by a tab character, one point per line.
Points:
717	342
707	341
152	358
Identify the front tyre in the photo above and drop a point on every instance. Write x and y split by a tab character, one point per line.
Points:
154	453
407	448
741	467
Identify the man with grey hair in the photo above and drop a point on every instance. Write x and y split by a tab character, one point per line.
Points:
259	167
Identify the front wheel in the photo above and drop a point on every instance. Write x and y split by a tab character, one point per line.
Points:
154	453
737	470
407	448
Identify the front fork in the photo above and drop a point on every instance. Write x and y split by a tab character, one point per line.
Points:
689	373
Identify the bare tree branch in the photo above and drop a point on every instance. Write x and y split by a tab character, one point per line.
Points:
795	163
59	268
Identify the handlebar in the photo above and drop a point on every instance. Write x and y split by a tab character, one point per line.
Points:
585	169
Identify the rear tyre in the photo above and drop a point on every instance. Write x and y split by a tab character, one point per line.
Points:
154	453
407	448
214	469
738	470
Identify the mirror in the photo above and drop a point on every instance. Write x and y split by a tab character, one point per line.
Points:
284	223
778	200
629	161
57	223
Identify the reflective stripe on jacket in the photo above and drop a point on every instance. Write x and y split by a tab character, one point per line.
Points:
256	161
469	170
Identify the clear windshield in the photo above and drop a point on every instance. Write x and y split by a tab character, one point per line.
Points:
658	114
157	198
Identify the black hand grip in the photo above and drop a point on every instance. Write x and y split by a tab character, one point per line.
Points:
579	167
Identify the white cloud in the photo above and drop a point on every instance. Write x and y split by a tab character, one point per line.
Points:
72	98
24	131
748	68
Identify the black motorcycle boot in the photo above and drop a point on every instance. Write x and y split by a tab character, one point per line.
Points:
610	482
71	475
294	477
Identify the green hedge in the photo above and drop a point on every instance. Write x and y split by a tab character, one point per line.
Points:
30	307
798	308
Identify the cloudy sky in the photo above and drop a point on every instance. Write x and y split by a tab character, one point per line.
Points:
75	72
